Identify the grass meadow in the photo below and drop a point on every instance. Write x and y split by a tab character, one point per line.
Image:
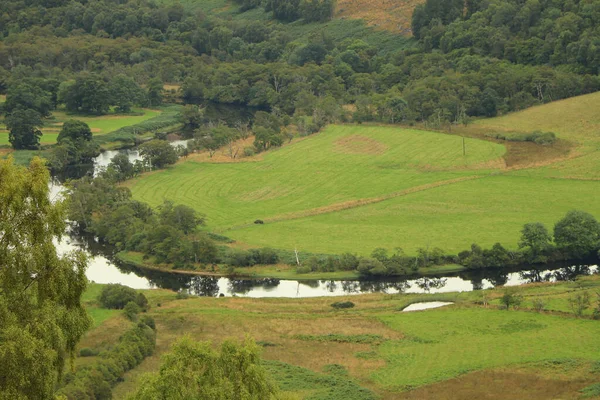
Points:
341	166
575	119
374	351
100	125
356	188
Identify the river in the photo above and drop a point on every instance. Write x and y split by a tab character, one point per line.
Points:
103	269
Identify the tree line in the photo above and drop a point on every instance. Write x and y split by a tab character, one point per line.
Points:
93	55
575	237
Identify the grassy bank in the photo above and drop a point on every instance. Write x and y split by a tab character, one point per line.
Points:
376	350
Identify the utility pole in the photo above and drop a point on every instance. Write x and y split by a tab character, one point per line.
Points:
464	148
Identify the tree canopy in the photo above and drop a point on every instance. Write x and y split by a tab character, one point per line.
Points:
193	370
41	315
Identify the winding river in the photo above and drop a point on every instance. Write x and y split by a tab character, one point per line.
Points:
103	269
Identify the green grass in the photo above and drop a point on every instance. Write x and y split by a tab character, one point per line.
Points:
100	125
484	211
310	385
575	119
444	343
342	164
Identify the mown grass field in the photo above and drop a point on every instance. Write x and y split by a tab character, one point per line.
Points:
100	125
356	188
376	351
342	167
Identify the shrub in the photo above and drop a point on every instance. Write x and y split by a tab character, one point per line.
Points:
303	270
182	295
131	311
148	321
342	304
511	298
249	151
93	381
142	302
539	305
116	296
87	352
259	222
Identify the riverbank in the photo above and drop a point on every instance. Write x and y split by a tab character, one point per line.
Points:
279	271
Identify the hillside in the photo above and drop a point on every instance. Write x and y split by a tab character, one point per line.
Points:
353	189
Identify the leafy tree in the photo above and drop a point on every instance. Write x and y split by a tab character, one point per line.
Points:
265	138
158	153
89	93
536	239
23	129
192	118
125	92
41	315
121	168
193	370
28	97
180	216
578	234
75	131
155	92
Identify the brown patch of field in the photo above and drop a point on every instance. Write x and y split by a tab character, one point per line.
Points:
393	16
107	334
501	385
357	144
271	321
170	87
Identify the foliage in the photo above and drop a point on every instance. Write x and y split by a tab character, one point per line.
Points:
364	339
88	93
41	315
23	126
75	146
195	370
87	352
131	311
94	381
579	302
511	298
342	304
578	234
116	296
158	153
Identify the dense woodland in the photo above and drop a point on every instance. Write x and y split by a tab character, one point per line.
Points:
473	59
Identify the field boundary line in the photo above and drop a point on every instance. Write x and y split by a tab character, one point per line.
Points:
359	203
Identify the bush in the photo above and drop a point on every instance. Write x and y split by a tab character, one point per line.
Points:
539	305
87	352
342	304
142	302
93	381
249	151
303	270
148	321
116	296
131	311
182	295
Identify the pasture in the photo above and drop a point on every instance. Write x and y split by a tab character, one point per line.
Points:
342	167
100	125
356	188
575	120
375	351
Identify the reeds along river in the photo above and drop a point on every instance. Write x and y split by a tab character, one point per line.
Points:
102	269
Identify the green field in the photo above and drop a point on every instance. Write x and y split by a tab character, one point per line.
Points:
99	125
575	119
342	167
375	351
356	188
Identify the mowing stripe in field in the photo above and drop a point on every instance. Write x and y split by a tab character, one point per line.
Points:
343	164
